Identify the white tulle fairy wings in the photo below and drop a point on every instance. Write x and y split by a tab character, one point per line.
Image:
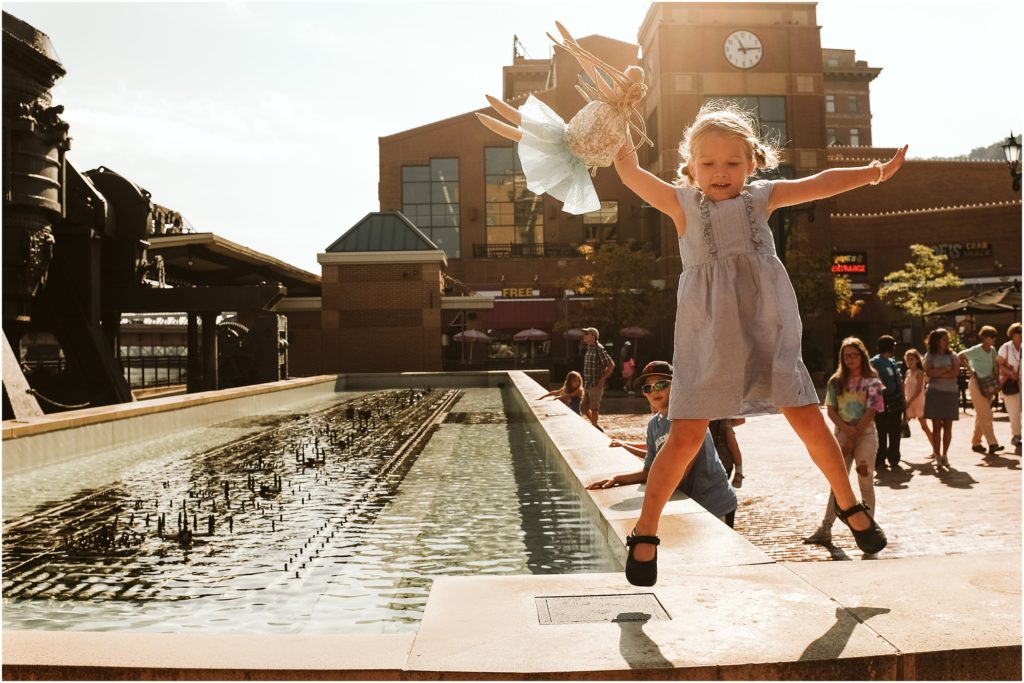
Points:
558	158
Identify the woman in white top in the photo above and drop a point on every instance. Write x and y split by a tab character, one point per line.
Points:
1009	371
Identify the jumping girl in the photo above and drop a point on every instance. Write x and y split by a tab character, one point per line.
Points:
734	291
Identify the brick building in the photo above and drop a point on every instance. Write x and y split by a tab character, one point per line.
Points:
381	299
508	254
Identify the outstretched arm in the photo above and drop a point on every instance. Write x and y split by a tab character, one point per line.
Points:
832	181
647	186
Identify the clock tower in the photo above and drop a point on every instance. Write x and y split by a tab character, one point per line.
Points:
767	56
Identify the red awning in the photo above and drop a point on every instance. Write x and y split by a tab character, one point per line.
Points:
519	314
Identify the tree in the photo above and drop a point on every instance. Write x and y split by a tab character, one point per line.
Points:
817	289
993	152
911	287
620	284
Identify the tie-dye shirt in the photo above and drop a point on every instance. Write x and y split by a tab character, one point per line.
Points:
857	398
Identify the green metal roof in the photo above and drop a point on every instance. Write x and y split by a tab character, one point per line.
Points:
383	231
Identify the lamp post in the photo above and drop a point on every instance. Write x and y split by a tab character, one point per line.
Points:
1011	150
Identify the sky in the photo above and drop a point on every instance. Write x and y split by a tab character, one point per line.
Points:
259	121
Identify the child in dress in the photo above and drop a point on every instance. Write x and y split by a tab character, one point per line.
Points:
941	403
913	390
734	290
853	397
571	391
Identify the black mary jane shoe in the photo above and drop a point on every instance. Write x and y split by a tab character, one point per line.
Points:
870	540
641	573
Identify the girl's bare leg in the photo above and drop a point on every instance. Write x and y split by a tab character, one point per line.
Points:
947	436
927	432
809	424
680	448
936	438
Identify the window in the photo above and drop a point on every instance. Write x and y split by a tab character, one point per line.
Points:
602	225
515	216
830	137
830	103
851	103
854	137
430	199
770	112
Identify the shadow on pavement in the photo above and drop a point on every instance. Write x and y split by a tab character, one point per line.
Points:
956	479
831	643
999	461
896	478
637	648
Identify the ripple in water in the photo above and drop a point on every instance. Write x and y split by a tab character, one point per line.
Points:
480	499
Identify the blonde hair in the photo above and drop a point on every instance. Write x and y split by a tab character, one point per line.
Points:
916	355
726	118
573	375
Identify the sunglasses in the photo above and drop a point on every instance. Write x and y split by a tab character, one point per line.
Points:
660	385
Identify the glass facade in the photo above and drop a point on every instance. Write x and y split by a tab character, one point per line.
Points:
430	199
769	109
515	216
602	225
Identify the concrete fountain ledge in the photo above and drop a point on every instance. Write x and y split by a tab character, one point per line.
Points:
724	609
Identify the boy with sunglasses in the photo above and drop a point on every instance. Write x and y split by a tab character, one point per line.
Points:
705	480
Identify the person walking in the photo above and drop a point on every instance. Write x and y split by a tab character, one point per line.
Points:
941	400
597	368
913	391
627	366
889	421
722	431
853	399
1009	371
983	386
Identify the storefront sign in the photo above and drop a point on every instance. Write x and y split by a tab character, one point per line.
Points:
955	250
850	262
517	292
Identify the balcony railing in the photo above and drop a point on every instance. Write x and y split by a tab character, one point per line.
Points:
509	250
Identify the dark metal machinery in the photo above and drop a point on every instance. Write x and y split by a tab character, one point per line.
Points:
74	254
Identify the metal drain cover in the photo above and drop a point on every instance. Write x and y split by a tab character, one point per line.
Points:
599	609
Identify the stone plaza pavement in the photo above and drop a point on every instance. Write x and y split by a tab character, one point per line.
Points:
975	507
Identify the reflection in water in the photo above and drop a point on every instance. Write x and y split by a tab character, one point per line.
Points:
312	532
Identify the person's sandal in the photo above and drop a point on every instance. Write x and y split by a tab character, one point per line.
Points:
870	540
641	573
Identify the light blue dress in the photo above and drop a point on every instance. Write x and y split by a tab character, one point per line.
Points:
550	167
738	329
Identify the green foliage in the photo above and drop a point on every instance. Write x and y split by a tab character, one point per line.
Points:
910	288
991	152
620	282
956	345
817	289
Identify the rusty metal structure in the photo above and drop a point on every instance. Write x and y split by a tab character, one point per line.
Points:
75	258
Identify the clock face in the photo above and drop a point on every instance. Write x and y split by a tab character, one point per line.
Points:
743	49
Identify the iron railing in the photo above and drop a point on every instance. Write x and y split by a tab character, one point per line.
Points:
528	250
